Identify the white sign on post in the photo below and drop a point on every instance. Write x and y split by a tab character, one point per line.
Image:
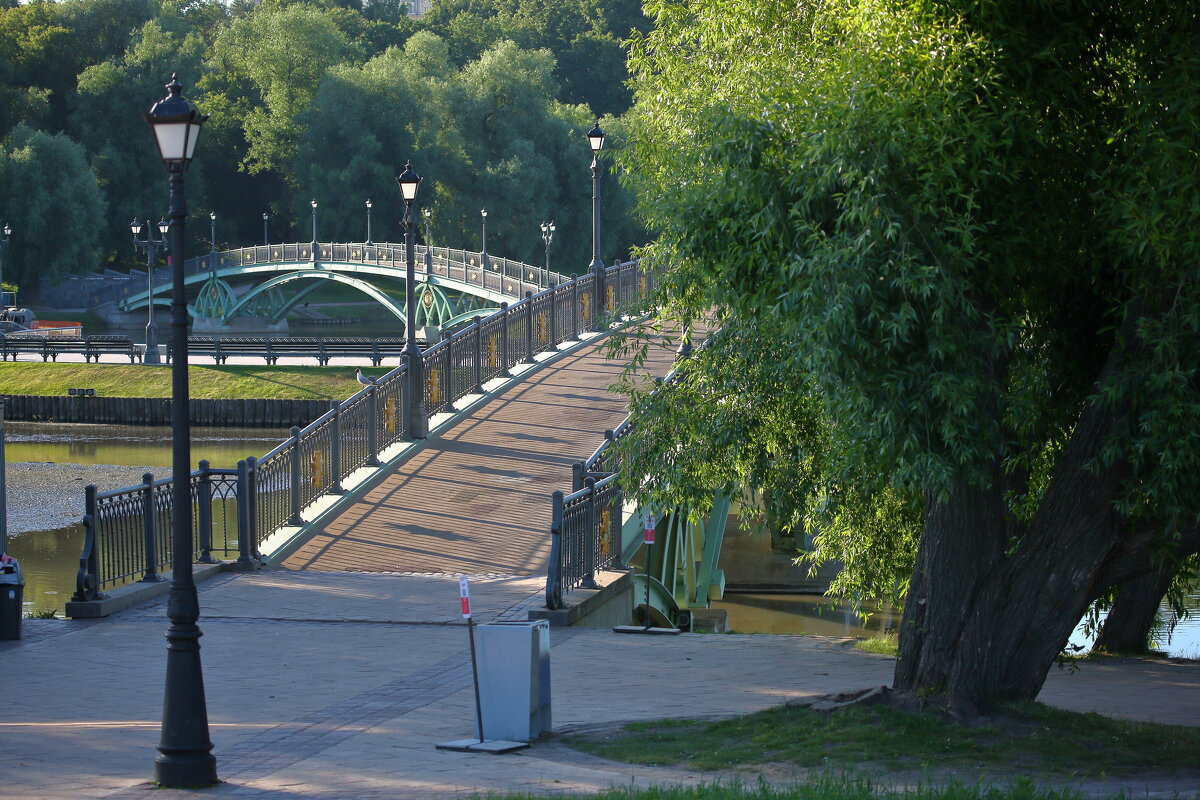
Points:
464	592
648	531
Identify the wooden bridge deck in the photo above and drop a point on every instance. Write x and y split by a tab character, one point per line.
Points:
476	499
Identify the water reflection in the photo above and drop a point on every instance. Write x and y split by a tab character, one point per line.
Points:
131	446
50	558
817	615
812	614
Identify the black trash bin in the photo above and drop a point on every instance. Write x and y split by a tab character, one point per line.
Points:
12	590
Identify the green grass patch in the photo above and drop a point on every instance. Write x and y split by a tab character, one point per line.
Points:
205	382
886	644
1029	739
826	789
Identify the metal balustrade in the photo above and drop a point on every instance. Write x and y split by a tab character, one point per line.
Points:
127	531
509	277
585	524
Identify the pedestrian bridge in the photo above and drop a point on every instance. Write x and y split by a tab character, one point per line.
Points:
454	285
471	458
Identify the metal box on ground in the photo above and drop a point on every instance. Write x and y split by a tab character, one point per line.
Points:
514	679
12	590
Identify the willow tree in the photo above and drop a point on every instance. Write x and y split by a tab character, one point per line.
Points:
953	247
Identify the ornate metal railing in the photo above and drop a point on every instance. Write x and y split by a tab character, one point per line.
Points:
266	494
586	524
496	273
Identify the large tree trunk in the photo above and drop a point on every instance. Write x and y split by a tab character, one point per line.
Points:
1127	627
992	600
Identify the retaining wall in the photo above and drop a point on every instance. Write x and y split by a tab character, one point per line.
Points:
157	411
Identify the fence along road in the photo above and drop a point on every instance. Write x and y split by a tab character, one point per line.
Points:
477	498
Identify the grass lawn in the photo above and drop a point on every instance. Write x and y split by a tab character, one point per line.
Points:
826	789
1029	740
205	382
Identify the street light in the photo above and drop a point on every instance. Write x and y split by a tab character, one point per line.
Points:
313	203
483	256
266	237
369	222
150	246
3	244
596	140
418	425
185	749
547	237
212	240
428	242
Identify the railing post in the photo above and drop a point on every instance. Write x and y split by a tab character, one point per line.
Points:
150	541
553	315
246	526
372	426
528	327
295	481
204	513
575	308
478	354
554	572
335	455
589	538
615	526
576	476
504	320
448	373
252	482
87	578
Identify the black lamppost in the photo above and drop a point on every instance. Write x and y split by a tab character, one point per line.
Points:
428	242
3	244
150	246
547	237
313	203
266	236
185	749
596	141
212	240
369	221
418	425
483	256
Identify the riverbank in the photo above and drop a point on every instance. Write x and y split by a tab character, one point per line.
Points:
46	496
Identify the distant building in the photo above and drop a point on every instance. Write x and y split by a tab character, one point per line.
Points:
418	8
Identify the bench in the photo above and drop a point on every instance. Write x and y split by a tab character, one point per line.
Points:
98	345
49	349
220	348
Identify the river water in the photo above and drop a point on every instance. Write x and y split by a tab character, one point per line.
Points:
49	558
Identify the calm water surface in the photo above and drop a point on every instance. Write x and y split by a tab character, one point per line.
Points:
50	558
817	615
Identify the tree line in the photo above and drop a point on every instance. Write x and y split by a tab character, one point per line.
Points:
310	99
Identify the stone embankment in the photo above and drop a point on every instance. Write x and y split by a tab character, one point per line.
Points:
46	496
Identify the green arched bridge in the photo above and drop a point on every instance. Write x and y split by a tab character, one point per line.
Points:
267	281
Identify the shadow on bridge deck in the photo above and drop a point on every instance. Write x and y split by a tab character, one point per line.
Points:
475	498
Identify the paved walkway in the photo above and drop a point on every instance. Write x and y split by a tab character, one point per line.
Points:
328	683
476	498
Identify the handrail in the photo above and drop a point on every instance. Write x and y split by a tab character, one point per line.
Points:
494	273
250	503
570	537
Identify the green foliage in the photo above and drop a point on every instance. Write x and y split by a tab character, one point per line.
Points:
963	224
585	37
52	200
299	107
